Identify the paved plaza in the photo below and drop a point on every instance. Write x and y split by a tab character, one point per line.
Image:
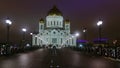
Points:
56	58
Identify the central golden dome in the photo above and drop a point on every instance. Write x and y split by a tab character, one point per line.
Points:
55	11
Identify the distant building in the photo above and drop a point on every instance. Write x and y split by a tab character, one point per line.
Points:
54	31
100	42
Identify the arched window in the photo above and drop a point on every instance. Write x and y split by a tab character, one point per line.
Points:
61	40
54	32
35	40
41	41
67	41
54	23
54	40
51	23
72	41
41	27
60	24
48	23
57	23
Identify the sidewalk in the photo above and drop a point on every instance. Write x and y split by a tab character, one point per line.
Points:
2	57
112	59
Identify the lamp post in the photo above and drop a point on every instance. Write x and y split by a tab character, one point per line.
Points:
77	35
99	24
24	31
31	38
9	23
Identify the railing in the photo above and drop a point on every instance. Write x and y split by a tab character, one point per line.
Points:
14	50
109	51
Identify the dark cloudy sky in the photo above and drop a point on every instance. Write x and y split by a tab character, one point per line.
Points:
26	13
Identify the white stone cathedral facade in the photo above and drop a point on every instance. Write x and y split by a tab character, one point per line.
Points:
54	31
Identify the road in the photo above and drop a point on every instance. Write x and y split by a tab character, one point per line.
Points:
52	58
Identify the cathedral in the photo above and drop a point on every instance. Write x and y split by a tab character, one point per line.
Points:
54	31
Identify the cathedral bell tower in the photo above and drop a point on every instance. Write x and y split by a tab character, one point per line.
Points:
41	25
67	25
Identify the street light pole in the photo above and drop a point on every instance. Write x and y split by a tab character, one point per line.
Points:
24	31
99	24
100	33
8	22
8	31
77	35
31	38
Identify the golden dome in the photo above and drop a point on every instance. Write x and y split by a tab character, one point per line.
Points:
41	20
54	11
67	21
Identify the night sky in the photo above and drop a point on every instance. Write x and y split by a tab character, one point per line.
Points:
81	13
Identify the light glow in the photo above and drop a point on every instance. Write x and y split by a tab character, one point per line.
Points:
77	34
80	45
31	33
99	23
84	30
24	29
8	22
27	45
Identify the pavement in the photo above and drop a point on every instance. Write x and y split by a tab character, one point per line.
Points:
56	58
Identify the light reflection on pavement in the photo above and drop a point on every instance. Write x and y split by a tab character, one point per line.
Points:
63	58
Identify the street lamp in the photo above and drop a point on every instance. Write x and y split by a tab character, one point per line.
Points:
84	31
31	38
8	22
24	31
77	34
99	24
31	33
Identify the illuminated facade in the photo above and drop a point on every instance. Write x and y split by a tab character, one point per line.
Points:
54	30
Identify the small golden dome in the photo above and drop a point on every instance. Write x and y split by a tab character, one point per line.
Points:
67	21
41	20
